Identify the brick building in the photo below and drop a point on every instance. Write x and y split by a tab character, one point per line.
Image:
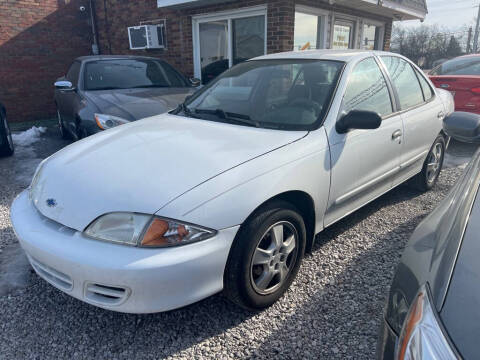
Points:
40	38
203	34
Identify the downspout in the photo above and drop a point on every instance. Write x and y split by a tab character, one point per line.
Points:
95	47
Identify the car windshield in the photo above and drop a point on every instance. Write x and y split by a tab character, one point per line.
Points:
281	94
459	66
131	73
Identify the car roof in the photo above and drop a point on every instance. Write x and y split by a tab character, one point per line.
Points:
112	57
337	55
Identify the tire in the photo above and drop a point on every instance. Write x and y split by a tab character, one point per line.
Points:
427	178
61	127
257	286
6	141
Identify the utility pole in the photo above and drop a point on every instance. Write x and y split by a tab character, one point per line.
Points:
469	41
477	29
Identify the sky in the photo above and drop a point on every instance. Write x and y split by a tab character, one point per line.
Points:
452	14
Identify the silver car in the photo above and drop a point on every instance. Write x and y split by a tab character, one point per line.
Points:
228	191
101	92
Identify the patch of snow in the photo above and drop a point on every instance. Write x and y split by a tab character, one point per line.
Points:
28	137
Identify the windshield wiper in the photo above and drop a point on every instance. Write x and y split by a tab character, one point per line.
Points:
149	86
229	116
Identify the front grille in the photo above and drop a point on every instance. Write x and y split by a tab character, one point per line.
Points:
106	295
51	275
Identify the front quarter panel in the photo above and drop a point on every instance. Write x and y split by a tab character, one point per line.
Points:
228	199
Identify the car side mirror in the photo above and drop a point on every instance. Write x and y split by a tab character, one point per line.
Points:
358	119
463	126
195	82
64	85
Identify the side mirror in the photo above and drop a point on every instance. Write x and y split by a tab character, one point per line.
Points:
463	126
195	82
358	119
64	85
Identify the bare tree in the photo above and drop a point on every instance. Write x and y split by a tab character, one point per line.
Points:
426	44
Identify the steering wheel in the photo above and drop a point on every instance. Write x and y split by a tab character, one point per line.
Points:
307	104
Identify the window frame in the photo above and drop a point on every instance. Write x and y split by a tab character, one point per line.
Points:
397	98
322	29
388	84
228	16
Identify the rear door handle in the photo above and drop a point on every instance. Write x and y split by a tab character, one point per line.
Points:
397	134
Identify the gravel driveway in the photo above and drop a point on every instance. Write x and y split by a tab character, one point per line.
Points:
332	310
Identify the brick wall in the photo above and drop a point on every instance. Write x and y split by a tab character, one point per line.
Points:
38	41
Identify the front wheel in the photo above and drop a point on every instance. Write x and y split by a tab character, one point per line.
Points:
265	256
432	166
6	141
61	127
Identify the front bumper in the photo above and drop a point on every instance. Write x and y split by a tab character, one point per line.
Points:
117	277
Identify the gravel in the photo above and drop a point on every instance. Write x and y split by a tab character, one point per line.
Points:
332	310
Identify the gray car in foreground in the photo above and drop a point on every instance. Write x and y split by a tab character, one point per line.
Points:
433	309
101	92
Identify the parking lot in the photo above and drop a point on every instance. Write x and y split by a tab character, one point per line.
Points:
332	310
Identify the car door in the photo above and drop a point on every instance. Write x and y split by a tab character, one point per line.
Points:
422	114
67	98
364	162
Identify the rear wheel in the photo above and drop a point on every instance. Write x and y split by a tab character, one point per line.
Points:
6	141
432	166
265	256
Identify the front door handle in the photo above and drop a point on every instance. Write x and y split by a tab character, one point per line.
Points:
397	134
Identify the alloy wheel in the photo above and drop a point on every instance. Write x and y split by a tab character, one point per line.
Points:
274	258
434	162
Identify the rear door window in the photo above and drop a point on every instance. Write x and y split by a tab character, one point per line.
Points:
367	89
427	90
405	81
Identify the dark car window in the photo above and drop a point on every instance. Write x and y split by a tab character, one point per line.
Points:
427	89
460	66
405	81
73	73
130	73
367	89
288	94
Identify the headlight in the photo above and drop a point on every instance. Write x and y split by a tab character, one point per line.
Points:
145	230
105	122
422	335
36	177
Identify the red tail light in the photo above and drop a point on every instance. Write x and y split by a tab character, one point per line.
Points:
476	90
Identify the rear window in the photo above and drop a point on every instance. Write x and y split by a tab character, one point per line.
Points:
459	66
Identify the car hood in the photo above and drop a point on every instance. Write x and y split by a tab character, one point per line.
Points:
142	166
135	104
460	313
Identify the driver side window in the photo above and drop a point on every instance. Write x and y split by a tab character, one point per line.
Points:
367	90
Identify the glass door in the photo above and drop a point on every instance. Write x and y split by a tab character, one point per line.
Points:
342	38
214	57
248	38
221	41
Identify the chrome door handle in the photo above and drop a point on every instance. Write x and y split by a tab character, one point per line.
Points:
441	115
396	134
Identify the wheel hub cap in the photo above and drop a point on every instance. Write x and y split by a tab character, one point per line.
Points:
273	258
434	162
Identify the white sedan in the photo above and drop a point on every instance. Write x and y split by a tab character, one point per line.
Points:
228	191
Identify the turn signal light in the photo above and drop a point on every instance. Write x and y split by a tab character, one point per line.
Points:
476	91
